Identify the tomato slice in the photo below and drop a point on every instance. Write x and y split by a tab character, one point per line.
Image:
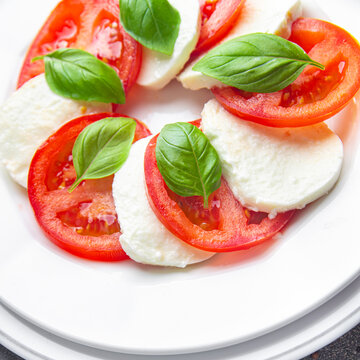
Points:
89	25
84	222
224	226
217	18
316	95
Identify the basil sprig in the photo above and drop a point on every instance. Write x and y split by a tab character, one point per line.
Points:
78	75
258	62
187	161
102	148
153	23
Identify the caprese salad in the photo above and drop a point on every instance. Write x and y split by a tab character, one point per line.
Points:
103	188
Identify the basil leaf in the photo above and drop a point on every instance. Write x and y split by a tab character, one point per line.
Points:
256	62
78	75
102	148
153	23
187	161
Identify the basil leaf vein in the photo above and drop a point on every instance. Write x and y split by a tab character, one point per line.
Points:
188	163
153	23
256	62
78	75
102	148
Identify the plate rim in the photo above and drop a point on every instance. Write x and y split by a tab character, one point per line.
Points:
298	350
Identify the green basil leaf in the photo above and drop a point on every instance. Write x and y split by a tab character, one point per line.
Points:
101	148
153	23
78	75
187	161
256	62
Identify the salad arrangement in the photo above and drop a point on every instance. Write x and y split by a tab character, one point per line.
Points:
189	201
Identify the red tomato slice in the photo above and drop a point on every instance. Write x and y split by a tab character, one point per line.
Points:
224	226
316	95
218	17
84	222
89	25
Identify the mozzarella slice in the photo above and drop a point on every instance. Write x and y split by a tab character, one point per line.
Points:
273	169
256	16
29	117
144	238
158	69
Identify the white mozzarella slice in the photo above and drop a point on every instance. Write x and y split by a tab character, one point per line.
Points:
144	238
29	117
273	169
256	16
158	69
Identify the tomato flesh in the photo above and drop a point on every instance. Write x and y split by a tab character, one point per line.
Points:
315	95
225	226
217	18
193	208
89	25
316	87
84	222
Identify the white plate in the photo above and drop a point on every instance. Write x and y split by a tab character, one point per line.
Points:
293	341
139	309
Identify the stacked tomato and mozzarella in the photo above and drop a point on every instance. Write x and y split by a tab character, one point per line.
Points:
256	16
260	164
268	169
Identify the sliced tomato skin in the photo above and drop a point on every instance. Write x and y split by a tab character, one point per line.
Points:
233	232
51	202
218	17
316	95
88	25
